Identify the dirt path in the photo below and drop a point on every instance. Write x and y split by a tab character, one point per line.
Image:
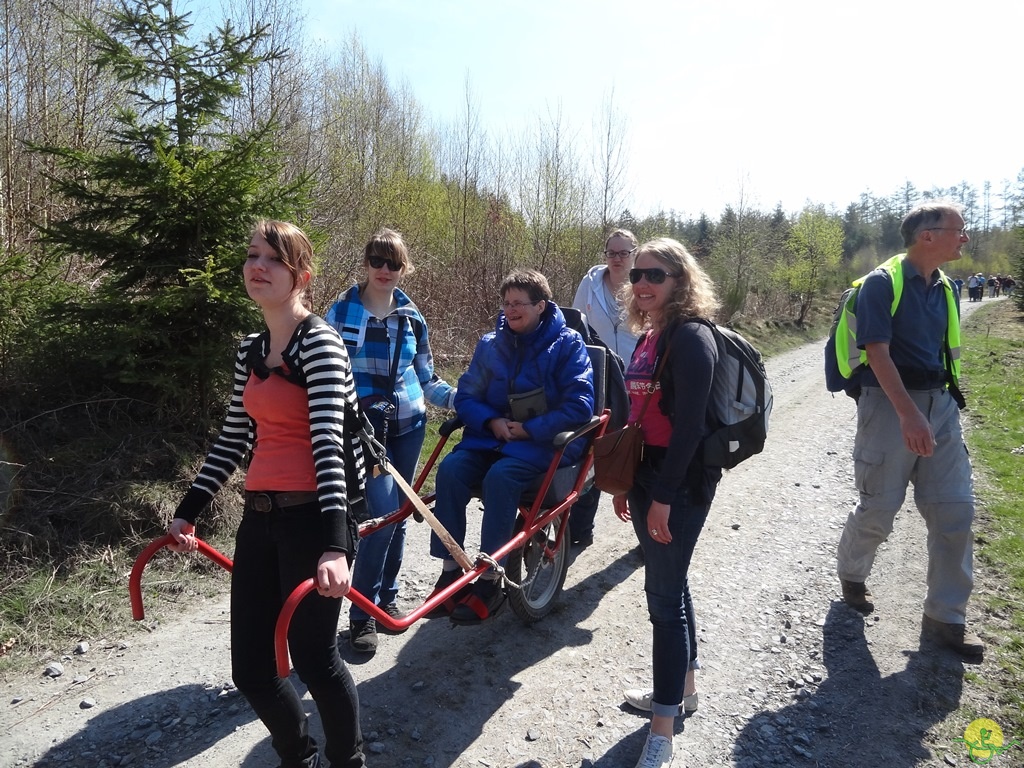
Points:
791	677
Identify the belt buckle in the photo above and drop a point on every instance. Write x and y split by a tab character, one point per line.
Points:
262	502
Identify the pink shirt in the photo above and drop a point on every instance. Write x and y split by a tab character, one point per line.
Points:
282	458
656	427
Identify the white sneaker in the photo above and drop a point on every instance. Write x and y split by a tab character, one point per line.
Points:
641	699
657	752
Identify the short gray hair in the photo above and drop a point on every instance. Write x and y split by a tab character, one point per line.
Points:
924	216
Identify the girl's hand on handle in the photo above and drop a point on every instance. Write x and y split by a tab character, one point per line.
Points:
332	575
184	534
621	507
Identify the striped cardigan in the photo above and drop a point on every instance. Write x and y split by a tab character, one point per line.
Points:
318	359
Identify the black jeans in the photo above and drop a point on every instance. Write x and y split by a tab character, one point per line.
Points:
274	552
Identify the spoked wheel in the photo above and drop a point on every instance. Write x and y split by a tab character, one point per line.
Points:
542	576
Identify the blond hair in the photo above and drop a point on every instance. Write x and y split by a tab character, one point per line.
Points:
694	292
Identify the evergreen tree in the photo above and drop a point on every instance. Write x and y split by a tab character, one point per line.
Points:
164	211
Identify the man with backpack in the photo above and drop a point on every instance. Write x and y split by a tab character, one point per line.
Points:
908	424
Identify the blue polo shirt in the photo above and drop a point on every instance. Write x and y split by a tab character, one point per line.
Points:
916	333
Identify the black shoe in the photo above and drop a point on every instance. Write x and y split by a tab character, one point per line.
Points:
582	541
393	612
484	602
362	635
313	761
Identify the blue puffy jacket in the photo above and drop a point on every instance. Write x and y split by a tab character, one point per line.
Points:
551	356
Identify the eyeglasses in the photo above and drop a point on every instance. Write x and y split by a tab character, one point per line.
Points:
377	262
619	254
654	275
517	305
961	230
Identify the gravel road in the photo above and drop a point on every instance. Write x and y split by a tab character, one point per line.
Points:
791	677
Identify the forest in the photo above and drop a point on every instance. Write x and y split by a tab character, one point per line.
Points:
137	151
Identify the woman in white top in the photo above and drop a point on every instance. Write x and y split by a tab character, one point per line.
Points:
599	290
598	298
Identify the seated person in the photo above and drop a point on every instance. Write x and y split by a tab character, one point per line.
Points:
528	381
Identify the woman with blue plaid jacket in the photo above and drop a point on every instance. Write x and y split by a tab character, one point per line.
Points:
386	337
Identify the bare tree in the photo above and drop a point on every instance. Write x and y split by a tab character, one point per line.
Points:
552	196
611	151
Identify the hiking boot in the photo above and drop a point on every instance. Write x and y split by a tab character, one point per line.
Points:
857	595
640	698
657	752
393	612
362	635
953	636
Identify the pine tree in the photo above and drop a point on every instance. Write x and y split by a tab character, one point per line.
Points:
164	211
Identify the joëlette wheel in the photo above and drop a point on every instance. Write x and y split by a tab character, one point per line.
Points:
543	576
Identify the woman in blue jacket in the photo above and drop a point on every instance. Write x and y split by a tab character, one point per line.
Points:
528	381
386	337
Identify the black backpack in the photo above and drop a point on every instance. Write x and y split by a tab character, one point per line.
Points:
616	396
740	403
741	400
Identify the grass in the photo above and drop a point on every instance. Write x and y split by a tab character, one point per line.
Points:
993	369
46	612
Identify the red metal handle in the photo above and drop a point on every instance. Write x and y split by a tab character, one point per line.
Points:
284	619
135	580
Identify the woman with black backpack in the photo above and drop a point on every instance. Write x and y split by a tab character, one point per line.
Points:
673	489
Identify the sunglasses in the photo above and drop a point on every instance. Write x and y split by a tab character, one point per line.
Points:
654	275
378	262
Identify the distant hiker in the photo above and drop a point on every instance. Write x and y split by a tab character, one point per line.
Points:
298	522
908	425
600	296
673	489
974	287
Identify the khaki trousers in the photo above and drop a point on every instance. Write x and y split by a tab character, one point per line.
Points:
943	492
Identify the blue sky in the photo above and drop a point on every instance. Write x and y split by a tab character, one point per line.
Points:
769	102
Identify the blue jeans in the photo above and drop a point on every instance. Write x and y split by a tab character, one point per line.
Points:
379	558
669	604
502	480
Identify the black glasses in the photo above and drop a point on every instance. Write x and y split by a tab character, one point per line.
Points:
654	275
619	254
379	261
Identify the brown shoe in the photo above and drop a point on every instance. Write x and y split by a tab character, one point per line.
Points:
953	636
857	595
